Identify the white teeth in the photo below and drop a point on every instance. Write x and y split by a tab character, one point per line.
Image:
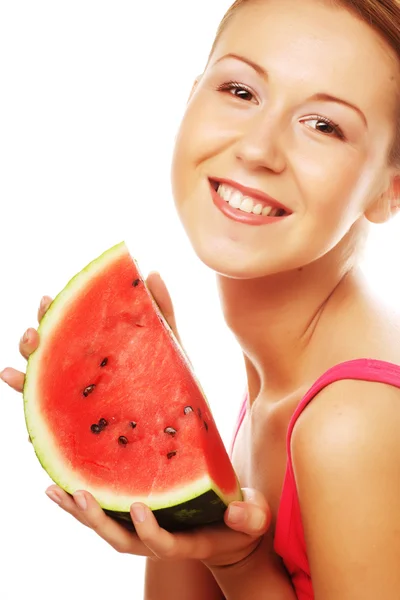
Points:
244	203
247	205
236	200
224	192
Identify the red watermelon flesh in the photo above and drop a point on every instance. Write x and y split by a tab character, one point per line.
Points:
112	404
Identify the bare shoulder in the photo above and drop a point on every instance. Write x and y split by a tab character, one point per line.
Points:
350	413
346	460
346	415
371	329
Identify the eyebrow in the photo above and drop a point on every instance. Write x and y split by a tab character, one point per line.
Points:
258	68
318	96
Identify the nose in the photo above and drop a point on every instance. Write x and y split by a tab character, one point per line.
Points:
260	145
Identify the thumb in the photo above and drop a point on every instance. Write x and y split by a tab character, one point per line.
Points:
160	293
252	516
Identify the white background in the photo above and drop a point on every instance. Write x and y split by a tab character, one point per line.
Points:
91	98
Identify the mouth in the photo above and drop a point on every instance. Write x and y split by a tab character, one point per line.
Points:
248	200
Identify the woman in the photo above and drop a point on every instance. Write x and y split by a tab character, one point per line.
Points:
288	149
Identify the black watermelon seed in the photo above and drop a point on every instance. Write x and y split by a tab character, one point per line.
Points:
136	282
95	428
103	423
205	425
170	431
88	390
171	454
122	440
187	410
199	412
133	424
104	362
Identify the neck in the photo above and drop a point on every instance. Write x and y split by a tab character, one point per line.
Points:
278	320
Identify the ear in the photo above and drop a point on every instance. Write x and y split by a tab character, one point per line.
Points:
387	205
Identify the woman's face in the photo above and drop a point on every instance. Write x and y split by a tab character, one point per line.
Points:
298	102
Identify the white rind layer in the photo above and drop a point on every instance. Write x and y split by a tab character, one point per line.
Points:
43	440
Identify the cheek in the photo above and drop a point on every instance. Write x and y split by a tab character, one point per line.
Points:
193	146
207	130
331	188
179	164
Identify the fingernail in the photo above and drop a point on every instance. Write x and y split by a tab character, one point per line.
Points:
25	337
157	274
4	375
80	500
43	303
236	514
53	496
138	513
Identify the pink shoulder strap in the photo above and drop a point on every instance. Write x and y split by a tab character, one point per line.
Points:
365	369
239	421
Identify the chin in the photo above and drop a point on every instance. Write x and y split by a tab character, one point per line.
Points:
237	251
235	262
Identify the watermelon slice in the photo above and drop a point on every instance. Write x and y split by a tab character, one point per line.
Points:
112	405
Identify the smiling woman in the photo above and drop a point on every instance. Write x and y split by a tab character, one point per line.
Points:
302	154
282	112
288	150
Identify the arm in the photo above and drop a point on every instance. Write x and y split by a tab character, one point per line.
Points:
183	579
346	457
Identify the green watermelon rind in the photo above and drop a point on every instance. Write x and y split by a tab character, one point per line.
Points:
55	466
203	510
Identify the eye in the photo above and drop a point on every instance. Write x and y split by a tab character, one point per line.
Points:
325	126
239	90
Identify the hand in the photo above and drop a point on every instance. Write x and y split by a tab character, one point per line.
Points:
216	546
219	545
30	340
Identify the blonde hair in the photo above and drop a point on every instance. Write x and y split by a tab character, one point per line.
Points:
382	15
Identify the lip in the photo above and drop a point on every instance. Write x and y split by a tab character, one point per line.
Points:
252	193
240	216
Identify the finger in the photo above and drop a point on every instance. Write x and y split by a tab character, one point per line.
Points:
83	506
159	541
162	297
65	501
15	379
197	544
255	497
29	342
44	305
253	516
248	519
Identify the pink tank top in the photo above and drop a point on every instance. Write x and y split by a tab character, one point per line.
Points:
289	535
